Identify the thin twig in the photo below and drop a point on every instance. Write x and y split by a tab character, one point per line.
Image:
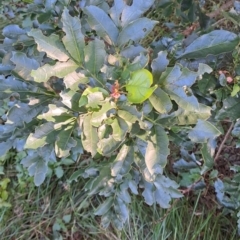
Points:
223	142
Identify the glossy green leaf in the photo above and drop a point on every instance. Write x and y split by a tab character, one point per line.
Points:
228	110
74	39
203	131
135	10
94	56
236	129
108	145
89	136
160	101
157	150
37	167
51	45
166	189
65	141
123	161
44	134
73	79
185	117
215	42
176	82
24	65
60	69
138	87
12	31
148	193
119	128
102	24
116	11
54	113
5	147
159	65
136	30
99	116
71	98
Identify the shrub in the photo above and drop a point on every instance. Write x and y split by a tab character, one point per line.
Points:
80	88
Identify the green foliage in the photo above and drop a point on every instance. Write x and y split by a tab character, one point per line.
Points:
79	86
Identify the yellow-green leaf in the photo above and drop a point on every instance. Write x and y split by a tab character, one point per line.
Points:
139	86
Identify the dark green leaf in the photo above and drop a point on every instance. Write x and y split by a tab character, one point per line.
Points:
157	150
184	117
74	39
71	98
89	137
24	65
98	117
5	147
37	167
104	26
104	207
72	80
203	131
94	56
159	65
236	129
160	101
60	69
12	31
148	193
176	82
137	8
116	11
108	145
65	141
51	45
119	128
123	161
136	30
44	134
229	109
215	42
